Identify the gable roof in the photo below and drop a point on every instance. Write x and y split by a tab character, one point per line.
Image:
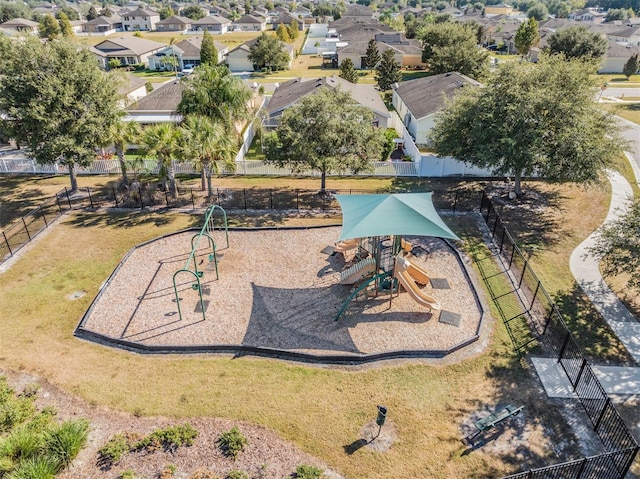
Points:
288	47
131	83
135	45
175	20
212	20
19	22
425	96
616	50
250	19
289	93
104	21
139	12
164	99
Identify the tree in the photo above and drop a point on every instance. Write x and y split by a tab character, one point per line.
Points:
208	50
267	52
65	25
161	141
617	246
347	71
616	14
293	30
283	34
372	55
194	12
527	36
49	27
166	12
123	133
632	66
56	100
521	123
105	12
387	71
325	132
214	92
453	47
207	144
539	12
578	42
69	12
114	63
92	14
11	10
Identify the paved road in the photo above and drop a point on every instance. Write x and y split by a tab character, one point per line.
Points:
618	92
632	134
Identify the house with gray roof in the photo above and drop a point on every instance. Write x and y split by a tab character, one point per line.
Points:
103	25
174	24
139	20
406	52
250	23
159	106
418	101
187	52
238	58
215	24
129	50
21	25
291	92
132	89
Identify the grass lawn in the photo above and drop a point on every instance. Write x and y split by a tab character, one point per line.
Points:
320	409
619	80
629	112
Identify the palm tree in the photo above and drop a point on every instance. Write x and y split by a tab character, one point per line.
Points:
208	145
123	133
161	141
214	92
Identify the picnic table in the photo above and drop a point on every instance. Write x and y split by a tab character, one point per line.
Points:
496	418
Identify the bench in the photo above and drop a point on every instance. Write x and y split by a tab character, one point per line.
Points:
492	420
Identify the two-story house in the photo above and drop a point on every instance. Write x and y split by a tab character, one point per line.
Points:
139	20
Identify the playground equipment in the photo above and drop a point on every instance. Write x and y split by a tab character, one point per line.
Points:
191	266
416	272
358	271
343	246
409	284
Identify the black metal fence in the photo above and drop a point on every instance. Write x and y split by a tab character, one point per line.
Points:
149	195
547	325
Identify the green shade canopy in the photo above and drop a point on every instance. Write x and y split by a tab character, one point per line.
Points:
408	214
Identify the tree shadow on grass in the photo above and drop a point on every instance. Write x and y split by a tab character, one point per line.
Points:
123	220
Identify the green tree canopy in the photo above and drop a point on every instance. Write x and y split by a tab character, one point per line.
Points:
325	132
521	123
69	12
212	91
56	100
618	247
160	141
194	12
388	71
65	25
578	42
166	12
539	11
11	10
347	71
618	14
123	133
92	14
372	55
293	30
283	34
453	47
527	36
208	50
49	27
632	66
267	52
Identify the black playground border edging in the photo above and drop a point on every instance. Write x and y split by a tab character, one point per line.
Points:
241	350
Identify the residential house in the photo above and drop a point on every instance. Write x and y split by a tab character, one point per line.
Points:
408	53
616	57
214	24
499	9
187	53
588	15
159	106
286	19
355	11
626	35
174	24
132	89
139	20
78	26
103	25
289	93
238	58
418	101
250	23
301	12
21	25
129	50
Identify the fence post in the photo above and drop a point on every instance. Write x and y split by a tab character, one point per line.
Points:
606	405
535	294
193	203
495	225
46	224
582	366
25	228
582	466
68	199
297	199
244	196
513	252
90	199
486	219
481	201
59	205
455	201
564	346
502	240
526	263
7	243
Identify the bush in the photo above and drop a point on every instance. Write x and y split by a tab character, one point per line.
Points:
305	471
114	449
232	442
203	474
128	474
237	475
65	440
169	438
42	467
23	444
168	471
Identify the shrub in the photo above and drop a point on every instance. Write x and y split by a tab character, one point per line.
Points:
128	474
232	442
23	444
203	474
237	475
114	449
169	438
168	471
64	441
305	471
41	467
